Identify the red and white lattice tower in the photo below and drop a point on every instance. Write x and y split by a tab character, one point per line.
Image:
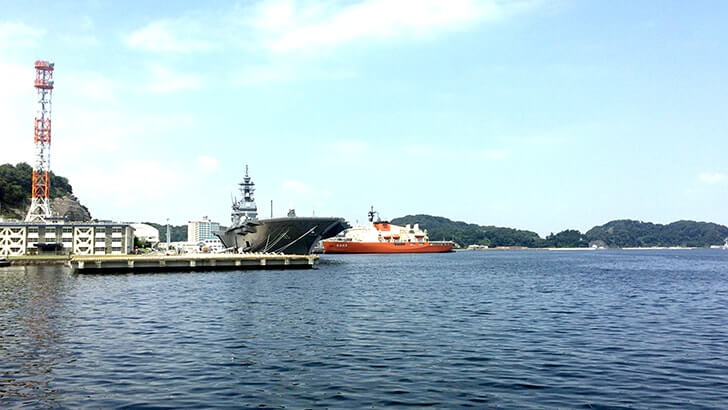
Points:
40	207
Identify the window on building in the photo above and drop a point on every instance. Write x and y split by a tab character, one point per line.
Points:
67	229
116	229
101	230
32	229
50	231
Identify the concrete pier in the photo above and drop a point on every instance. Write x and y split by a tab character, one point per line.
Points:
188	262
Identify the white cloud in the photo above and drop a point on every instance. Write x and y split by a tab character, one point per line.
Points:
17	109
178	36
81	132
81	41
93	86
262	74
712	177
296	26
474	154
545	139
307	196
420	150
14	34
274	15
282	70
284	26
78	131
491	154
297	188
349	147
129	182
207	164
164	80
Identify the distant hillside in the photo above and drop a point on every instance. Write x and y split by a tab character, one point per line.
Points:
464	234
629	233
177	233
15	185
617	234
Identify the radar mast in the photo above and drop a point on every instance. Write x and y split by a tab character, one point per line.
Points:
245	209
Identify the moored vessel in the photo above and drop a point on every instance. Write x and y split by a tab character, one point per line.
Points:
383	237
288	235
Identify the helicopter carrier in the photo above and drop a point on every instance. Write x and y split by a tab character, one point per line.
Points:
289	235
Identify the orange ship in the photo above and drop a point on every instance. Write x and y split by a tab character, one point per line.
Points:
383	237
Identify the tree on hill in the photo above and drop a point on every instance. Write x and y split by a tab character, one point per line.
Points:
629	233
569	238
464	234
177	233
15	187
616	234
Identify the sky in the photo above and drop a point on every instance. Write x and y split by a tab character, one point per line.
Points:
539	115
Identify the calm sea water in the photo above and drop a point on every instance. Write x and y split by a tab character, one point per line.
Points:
601	329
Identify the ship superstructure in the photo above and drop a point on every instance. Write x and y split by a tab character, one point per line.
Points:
245	209
290	235
383	237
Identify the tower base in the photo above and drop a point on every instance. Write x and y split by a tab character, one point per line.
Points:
40	209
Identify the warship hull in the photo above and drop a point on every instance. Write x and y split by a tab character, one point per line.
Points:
289	235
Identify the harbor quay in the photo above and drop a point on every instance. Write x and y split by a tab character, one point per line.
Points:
189	262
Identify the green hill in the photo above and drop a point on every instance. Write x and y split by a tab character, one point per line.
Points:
617	234
464	234
629	233
15	185
177	233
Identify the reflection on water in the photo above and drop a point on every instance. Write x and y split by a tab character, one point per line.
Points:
33	320
511	329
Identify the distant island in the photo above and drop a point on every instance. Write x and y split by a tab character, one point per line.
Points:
15	187
623	233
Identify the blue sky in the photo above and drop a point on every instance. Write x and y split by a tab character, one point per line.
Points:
542	115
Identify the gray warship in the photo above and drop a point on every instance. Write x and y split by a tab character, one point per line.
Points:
291	234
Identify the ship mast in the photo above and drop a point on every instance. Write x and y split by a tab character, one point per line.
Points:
245	209
372	213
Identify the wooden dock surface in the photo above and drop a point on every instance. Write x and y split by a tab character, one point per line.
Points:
189	262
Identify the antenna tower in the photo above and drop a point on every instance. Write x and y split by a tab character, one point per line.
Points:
40	208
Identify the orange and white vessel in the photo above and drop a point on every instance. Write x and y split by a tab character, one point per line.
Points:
383	237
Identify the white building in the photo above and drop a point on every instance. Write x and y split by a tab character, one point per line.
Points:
206	246
198	231
92	238
146	233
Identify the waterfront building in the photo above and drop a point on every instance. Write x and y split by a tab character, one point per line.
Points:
201	230
205	246
78	238
146	233
211	245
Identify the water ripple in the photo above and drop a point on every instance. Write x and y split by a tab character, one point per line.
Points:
474	329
